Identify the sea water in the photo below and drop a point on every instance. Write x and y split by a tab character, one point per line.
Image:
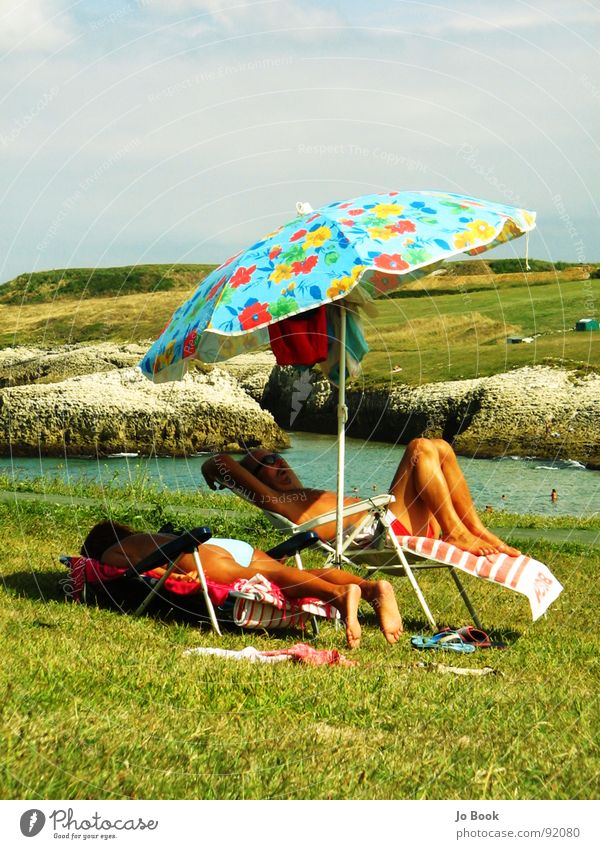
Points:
519	485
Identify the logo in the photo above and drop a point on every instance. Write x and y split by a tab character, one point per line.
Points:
32	822
302	388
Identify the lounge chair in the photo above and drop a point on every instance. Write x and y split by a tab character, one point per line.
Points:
254	603
406	556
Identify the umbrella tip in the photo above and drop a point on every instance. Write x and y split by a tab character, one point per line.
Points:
303	207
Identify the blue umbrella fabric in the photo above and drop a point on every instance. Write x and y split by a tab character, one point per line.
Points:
351	251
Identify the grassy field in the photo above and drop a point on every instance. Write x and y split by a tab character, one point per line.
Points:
442	328
98	705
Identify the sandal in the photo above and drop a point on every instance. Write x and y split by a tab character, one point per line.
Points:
446	641
476	637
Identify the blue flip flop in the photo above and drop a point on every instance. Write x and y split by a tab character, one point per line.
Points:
445	641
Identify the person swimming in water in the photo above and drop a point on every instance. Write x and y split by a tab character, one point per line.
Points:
226	560
431	495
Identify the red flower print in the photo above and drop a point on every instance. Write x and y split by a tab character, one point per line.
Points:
344	205
305	266
312	218
391	262
216	288
242	276
189	348
253	315
355	211
347	222
403	227
274	252
297	235
392	194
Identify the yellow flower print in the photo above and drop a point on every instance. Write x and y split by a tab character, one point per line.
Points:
281	272
529	218
166	358
356	271
317	237
477	231
509	231
339	287
384	210
382	233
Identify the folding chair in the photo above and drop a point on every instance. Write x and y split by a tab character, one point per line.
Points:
258	605
393	560
405	556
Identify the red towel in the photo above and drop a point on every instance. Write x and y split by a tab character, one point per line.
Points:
300	340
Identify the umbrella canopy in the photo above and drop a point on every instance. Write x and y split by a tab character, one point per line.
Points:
348	252
353	250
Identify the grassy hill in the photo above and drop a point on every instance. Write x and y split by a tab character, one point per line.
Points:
60	283
450	326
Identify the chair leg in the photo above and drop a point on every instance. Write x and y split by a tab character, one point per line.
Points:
154	590
209	604
410	575
466	599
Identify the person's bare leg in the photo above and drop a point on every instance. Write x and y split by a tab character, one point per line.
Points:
462	500
298	583
379	594
421	491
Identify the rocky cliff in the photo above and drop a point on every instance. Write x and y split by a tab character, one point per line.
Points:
120	411
539	411
88	399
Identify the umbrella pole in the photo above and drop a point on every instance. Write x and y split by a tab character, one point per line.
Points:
342	416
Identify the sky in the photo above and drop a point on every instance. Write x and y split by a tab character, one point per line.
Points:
174	131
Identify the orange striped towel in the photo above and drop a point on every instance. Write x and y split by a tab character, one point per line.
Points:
269	608
522	574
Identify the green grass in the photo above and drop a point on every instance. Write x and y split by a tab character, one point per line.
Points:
61	283
99	705
463	335
441	328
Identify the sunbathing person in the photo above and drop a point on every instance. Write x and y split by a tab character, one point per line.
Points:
226	560
431	495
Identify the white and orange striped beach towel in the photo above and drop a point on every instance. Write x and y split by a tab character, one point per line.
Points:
269	608
522	574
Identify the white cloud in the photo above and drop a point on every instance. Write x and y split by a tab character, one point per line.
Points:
33	25
514	17
232	15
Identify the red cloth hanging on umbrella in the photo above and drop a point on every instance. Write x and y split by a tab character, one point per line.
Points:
300	340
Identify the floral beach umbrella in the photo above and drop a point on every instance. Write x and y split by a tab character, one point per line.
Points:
353	250
348	252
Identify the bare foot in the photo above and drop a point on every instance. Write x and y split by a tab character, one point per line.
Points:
385	606
347	603
479	530
502	547
468	542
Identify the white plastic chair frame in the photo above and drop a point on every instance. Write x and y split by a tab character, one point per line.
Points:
376	558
